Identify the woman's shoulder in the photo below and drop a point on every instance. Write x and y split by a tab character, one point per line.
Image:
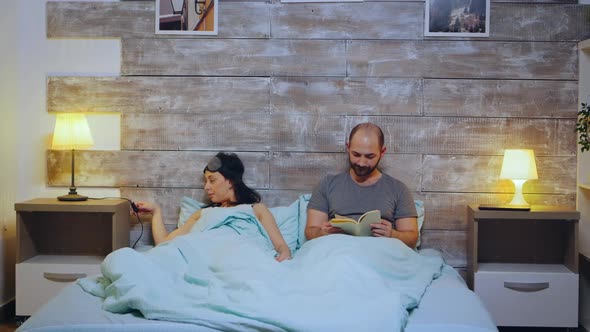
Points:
258	206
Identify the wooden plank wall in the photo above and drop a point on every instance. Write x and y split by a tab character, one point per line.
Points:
282	85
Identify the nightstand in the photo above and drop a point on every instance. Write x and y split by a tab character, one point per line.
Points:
524	264
59	242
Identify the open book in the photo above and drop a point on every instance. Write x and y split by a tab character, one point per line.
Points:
362	227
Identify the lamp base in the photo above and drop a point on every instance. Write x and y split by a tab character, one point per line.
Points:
72	198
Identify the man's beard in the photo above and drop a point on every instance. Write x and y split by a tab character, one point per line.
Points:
362	171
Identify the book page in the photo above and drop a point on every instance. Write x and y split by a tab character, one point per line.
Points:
340	219
357	228
371	217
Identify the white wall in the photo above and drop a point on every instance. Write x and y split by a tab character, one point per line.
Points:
583	197
8	102
27	58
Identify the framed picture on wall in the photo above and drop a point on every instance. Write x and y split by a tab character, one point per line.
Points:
186	17
457	18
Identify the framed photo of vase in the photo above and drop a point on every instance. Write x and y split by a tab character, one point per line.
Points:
186	17
457	18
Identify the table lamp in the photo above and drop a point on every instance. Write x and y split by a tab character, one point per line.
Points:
71	132
519	166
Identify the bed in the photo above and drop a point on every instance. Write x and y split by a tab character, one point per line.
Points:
331	284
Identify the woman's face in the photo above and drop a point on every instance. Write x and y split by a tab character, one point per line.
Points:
218	188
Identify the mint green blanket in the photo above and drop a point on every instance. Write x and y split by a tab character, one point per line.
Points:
223	275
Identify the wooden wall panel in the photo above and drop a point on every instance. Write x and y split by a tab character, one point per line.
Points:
176	169
232	57
137	19
359	20
566	141
296	132
343	96
473	174
300	170
501	98
196	132
559	2
463	59
233	95
466	135
452	245
307	133
531	22
319	95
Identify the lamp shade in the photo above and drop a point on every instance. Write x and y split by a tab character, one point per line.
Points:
519	164
71	132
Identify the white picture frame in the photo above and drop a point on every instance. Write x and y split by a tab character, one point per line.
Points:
457	18
187	17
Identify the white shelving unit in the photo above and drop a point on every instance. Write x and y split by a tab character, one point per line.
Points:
583	192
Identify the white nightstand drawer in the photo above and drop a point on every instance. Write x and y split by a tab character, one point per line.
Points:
42	277
529	294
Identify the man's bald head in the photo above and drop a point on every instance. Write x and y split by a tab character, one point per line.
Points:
368	128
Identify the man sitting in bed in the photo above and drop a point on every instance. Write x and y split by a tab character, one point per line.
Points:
364	188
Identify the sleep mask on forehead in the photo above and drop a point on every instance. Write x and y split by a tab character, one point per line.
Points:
214	164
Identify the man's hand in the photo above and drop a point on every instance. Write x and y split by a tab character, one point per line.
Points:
382	229
327	228
317	225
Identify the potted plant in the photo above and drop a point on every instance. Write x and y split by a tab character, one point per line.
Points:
582	127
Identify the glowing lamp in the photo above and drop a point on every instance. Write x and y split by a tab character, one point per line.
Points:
71	132
519	166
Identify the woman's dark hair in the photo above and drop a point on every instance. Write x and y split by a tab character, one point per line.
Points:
231	167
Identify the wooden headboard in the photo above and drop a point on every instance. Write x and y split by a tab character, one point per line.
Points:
282	85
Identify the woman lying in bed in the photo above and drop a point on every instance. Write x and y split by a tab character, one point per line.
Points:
225	188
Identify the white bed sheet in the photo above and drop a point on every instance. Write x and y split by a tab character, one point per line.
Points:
448	305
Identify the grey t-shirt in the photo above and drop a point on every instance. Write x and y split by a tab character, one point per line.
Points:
339	194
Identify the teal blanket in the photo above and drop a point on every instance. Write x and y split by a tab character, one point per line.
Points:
223	275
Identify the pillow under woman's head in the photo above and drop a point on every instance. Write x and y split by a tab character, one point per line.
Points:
287	218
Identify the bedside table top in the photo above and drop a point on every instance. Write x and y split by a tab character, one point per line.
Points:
539	212
53	205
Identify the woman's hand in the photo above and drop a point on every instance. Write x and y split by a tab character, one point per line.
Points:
147	207
283	253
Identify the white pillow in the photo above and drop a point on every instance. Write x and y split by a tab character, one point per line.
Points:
287	218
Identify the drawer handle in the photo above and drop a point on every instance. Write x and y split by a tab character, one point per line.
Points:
63	277
526	286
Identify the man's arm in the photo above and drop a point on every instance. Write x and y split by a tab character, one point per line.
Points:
317	225
406	230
